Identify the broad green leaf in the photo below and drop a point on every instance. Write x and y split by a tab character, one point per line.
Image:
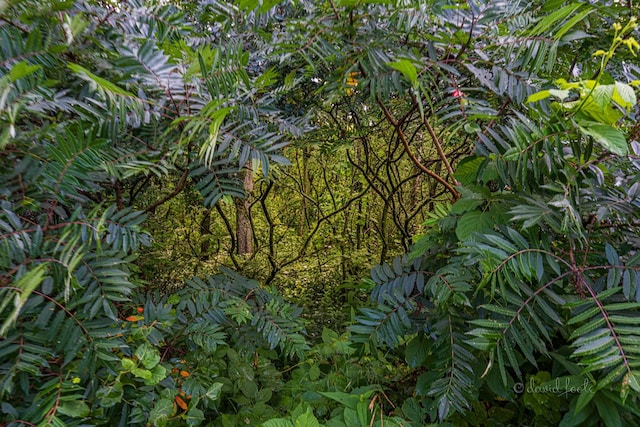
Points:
110	395
607	136
597	104
443	408
614	375
158	373
424	381
583	400
216	118
624	96
554	18
22	69
407	68
473	222
466	204
345	399
543	94
632	379
489	323
213	392
278	422
351	417
142	373
77	24
501	310
25	285
591	336
601	94
264	395
268	78
594	346
623	320
589	327
417	350
472	128
412	410
538	96
173	299
626	284
578	17
502	243
194	417
249	388
101	83
329	336
307	420
74	408
160	413
559	93
148	355
620	306
608	411
467	169
481	343
562	83
575	36
364	415
127	364
587	314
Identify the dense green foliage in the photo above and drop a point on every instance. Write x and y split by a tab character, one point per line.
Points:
193	194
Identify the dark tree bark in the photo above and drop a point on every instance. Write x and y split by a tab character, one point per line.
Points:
244	233
205	231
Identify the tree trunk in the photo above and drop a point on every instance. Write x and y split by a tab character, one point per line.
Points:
205	233
306	190
244	233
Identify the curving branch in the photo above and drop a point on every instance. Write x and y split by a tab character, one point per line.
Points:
438	144
181	184
455	195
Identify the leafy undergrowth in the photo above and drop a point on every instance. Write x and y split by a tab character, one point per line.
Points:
226	352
